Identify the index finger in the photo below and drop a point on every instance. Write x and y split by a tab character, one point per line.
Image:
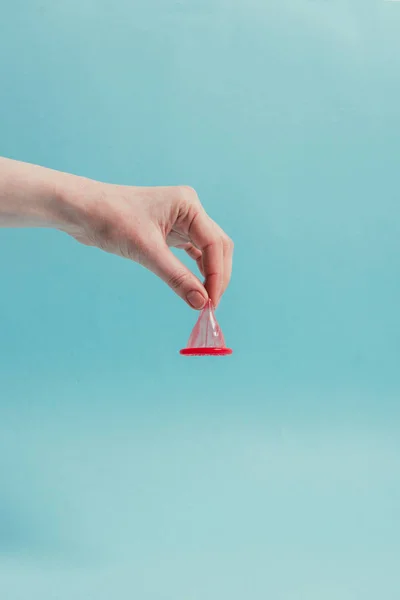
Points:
207	236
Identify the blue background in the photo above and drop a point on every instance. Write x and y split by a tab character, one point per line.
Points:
127	471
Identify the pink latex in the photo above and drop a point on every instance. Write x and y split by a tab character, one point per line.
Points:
206	337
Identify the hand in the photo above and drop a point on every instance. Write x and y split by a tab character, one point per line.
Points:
142	223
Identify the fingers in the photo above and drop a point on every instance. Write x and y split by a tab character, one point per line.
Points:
203	240
193	252
217	251
228	257
196	254
168	267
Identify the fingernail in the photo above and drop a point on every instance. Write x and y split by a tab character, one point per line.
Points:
196	299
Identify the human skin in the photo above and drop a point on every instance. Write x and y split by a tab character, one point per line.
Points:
139	223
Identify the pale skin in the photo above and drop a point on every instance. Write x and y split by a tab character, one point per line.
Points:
139	223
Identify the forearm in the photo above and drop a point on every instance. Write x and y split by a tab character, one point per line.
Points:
33	196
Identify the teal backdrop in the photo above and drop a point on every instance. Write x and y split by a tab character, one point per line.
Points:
129	472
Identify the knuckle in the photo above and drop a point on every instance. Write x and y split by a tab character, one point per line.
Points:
177	280
189	194
211	245
228	242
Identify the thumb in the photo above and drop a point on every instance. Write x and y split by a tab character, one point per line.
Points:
162	262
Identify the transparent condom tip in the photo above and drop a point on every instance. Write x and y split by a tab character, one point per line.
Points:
206	338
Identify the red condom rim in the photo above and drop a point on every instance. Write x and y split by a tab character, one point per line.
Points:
206	351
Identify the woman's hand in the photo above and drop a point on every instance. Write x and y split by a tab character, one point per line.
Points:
143	223
140	223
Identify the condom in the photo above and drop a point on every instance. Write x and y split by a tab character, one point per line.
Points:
206	338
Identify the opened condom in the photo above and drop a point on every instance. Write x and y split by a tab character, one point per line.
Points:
206	338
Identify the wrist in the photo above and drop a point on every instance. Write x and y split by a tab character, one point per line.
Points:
69	201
